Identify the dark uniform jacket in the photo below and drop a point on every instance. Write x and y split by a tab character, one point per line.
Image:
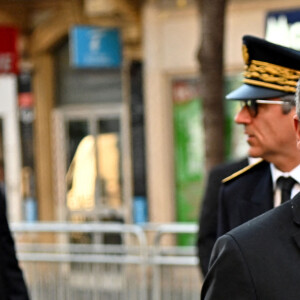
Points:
207	233
12	284
245	195
259	259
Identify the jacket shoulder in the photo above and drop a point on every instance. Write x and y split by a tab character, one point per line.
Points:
230	167
274	222
244	170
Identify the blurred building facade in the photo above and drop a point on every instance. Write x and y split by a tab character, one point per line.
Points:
105	143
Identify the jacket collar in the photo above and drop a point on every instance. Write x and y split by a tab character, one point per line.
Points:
295	205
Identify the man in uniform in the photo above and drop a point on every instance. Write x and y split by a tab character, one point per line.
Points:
267	98
260	259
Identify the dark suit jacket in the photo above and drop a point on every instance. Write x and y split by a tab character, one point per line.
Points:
12	284
207	233
259	259
244	197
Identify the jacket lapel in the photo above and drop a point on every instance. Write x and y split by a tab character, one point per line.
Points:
261	199
295	206
263	192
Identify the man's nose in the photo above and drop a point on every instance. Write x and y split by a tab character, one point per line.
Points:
243	116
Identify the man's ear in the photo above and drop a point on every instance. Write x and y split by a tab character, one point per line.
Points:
297	130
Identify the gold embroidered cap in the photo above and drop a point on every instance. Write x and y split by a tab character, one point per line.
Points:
271	70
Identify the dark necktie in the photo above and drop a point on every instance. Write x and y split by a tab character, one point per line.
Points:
285	184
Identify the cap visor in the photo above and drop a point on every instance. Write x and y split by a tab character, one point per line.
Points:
248	92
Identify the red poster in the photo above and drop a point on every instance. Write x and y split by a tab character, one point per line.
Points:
8	50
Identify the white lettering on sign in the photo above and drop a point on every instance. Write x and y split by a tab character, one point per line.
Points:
95	41
5	62
280	32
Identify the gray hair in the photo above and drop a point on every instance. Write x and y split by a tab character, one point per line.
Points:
297	99
289	103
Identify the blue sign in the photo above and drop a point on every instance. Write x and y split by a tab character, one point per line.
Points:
283	28
292	16
95	47
140	211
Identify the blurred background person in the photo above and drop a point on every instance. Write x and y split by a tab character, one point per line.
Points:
12	283
208	217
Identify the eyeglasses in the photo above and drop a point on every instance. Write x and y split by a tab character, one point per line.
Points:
252	105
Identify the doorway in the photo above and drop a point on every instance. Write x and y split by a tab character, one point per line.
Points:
92	163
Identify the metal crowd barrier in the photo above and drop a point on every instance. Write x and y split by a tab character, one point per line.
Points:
175	272
78	261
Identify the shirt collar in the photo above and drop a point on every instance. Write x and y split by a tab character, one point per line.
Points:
295	174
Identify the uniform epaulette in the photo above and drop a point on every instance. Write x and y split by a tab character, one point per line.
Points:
242	171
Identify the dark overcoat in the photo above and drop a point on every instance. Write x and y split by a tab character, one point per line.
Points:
259	260
12	283
207	233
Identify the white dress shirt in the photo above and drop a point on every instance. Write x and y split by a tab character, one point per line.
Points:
295	174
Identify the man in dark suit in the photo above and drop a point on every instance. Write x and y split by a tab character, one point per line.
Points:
267	116
207	233
12	284
259	259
